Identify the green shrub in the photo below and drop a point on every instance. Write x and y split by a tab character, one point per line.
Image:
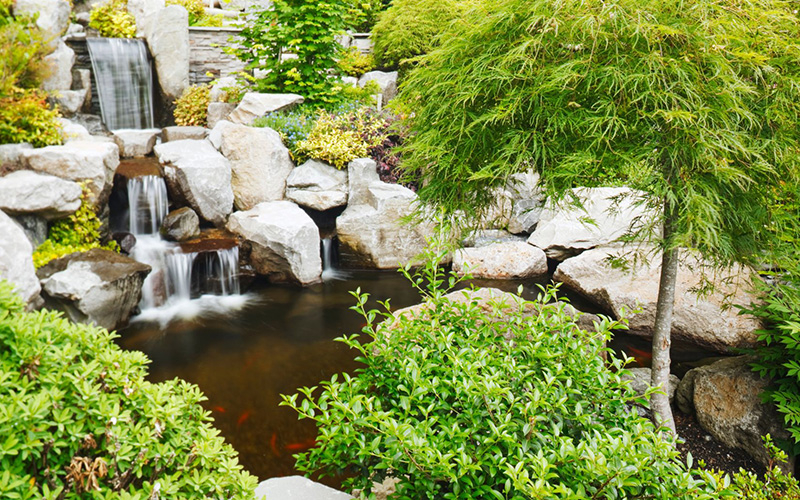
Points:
506	401
293	125
354	63
409	28
111	19
26	117
191	108
210	21
338	139
77	233
305	28
362	14
78	420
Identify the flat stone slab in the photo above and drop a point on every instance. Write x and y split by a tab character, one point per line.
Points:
135	143
26	192
255	104
177	133
297	488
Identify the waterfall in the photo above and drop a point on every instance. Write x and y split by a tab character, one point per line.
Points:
124	82
147	204
329	269
177	277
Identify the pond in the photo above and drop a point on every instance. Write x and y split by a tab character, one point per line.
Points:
280	339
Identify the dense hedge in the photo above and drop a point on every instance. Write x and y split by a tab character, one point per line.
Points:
79	421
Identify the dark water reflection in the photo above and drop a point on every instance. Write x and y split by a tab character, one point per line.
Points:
282	340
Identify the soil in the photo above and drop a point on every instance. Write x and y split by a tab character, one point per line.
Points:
704	447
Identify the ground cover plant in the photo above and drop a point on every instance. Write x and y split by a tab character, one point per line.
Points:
79	421
506	399
24	113
693	102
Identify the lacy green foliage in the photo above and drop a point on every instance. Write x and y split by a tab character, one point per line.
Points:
191	108
779	355
508	400
775	484
410	28
338	139
362	14
693	101
111	19
354	63
77	233
305	28
80	421
26	117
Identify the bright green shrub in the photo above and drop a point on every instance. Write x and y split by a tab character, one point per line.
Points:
506	401
354	63
409	28
210	21
78	420
112	19
338	139
191	108
77	233
305	28
26	117
362	14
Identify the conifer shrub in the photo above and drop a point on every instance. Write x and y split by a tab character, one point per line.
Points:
506	399
78	420
112	19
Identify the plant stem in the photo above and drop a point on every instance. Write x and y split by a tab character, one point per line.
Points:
659	401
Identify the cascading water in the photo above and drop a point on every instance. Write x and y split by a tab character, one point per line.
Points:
329	270
124	82
177	277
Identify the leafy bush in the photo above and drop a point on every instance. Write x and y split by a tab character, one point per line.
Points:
779	353
77	233
191	108
409	28
305	28
197	13
112	19
338	139
362	14
293	125
26	117
78	419
354	63
514	400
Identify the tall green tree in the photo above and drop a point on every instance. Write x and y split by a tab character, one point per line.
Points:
695	102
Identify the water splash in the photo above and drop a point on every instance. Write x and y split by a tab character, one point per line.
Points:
147	204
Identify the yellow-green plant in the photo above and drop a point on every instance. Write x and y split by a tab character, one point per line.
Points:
25	117
197	13
77	233
339	139
191	108
354	63
113	20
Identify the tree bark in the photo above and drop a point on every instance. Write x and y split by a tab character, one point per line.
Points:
659	401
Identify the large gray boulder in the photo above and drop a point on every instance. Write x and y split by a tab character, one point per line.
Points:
317	185
260	163
507	260
375	234
387	81
11	156
606	215
79	161
254	105
218	111
59	64
72	131
134	143
526	202
16	260
27	192
144	12
640	381
98	287
704	321
177	133
296	488
168	39
726	397
361	173
199	175
53	15
280	242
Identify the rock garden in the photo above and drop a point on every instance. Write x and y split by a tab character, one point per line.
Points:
593	210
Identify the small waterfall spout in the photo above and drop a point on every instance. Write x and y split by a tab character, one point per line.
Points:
329	269
124	82
147	204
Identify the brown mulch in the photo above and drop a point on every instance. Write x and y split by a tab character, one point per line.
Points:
704	447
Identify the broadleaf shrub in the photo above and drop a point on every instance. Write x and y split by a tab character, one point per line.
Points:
78	420
506	400
191	108
26	117
354	63
112	19
77	233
